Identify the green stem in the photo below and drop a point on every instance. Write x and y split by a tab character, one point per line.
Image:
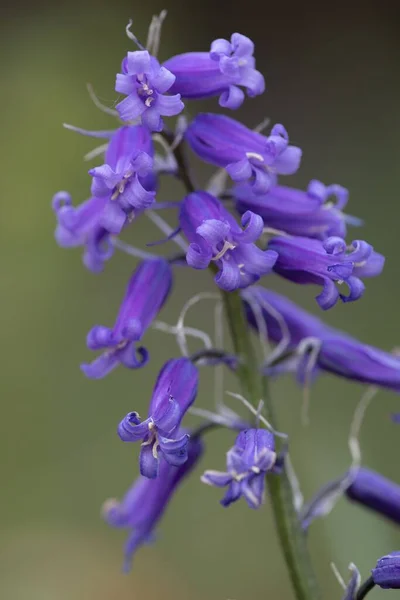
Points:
254	388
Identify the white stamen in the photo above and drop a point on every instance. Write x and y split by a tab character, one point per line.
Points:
148	101
255	155
227	246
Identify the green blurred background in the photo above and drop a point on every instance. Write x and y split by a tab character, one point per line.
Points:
332	79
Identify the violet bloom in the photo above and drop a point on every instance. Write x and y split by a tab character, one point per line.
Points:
220	72
145	502
126	180
387	572
338	352
245	154
215	236
306	261
247	463
174	392
147	291
145	82
316	213
81	226
377	493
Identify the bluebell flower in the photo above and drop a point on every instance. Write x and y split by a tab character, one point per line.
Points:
144	82
338	352
215	236
315	213
252	456
126	180
221	72
145	502
386	573
376	492
147	291
174	392
307	261
81	226
245	154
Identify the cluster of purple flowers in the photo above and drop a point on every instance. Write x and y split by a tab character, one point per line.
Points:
253	227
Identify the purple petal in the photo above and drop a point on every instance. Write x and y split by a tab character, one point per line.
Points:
240	171
242	45
253	490
329	295
216	478
233	494
169	106
131	107
133	357
99	337
163	80
213	231
228	278
253	224
197	258
101	366
148	463
232	97
138	62
168	418
175	451
356	288
137	196
151	119
289	161
220	47
254	82
372	267
113	217
130	429
124	84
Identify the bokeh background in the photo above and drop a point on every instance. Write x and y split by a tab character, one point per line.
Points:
332	79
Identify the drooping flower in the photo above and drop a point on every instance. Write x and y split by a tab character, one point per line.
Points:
247	463
147	291
214	235
81	226
307	261
126	180
174	392
310	214
144	82
386	574
145	502
338	352
245	154
376	492
221	72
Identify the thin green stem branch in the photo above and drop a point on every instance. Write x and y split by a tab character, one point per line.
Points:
254	387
